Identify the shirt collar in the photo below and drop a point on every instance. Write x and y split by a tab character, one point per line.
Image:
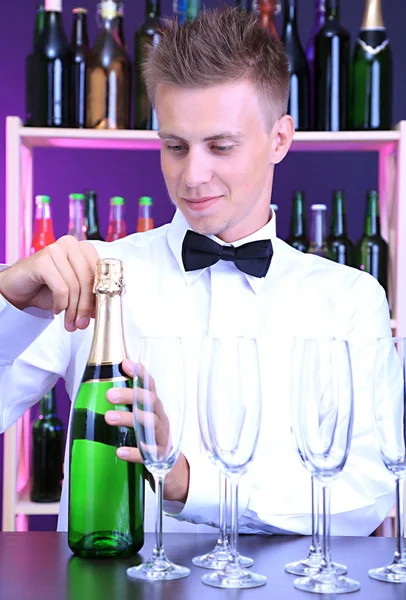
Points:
179	226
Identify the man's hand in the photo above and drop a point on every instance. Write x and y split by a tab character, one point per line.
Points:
177	481
59	277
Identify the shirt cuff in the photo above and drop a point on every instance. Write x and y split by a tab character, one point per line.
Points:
19	329
202	504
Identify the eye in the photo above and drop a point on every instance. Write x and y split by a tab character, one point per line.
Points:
223	148
176	148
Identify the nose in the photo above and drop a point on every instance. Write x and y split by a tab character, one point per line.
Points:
196	169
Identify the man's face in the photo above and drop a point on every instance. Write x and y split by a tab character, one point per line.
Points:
215	157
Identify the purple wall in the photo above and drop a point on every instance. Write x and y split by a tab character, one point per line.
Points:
133	174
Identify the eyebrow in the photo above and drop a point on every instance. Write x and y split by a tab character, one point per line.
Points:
225	135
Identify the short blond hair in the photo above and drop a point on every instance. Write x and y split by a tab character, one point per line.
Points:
221	45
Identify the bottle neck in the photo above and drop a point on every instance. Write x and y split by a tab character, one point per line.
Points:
153	8
298	219
53	21
373	15
338	218
47	405
77	225
290	13
318	228
42	213
39	24
116	213
79	31
108	346
333	10
320	13
92	216
266	9
372	220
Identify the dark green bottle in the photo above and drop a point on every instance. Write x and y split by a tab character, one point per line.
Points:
147	34
297	237
318	241
91	216
331	72
371	73
51	71
372	250
340	246
299	95
47	452
106	494
29	66
80	56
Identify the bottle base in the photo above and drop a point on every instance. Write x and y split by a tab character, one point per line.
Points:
104	544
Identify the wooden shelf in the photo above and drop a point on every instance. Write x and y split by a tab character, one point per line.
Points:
148	140
26	507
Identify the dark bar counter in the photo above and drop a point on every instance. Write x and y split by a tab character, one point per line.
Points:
40	566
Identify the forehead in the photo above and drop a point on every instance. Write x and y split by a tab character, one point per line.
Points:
228	105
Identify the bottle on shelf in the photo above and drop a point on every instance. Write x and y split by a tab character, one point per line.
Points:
331	72
47	452
145	220
297	237
80	55
117	228
340	246
77	224
266	11
180	10
51	71
29	65
371	73
299	95
193	9
318	242
319	19
43	227
372	250
91	216
148	34
106	494
108	75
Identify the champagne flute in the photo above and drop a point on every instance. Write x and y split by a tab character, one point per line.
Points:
159	409
389	412
322	418
229	411
221	553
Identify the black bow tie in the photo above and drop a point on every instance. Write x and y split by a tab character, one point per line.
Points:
199	251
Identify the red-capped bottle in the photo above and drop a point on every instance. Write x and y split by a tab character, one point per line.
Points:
43	226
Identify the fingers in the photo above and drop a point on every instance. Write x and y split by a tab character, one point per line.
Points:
129	454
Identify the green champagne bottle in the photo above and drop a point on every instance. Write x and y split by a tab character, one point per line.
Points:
339	244
331	72
372	250
318	241
148	34
47	452
106	494
297	237
91	216
371	73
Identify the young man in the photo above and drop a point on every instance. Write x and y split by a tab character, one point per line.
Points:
220	86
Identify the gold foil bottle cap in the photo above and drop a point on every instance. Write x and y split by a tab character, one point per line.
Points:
109	278
373	16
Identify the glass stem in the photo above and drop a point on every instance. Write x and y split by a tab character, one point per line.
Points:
400	526
235	559
315	545
327	566
159	552
222	542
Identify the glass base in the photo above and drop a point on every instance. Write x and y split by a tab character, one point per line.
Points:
311	566
393	573
217	559
326	583
234	577
158	570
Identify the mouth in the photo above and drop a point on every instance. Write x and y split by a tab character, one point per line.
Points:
200	204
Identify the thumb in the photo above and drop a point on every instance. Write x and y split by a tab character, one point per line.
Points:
128	367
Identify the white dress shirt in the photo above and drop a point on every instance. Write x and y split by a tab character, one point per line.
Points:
301	295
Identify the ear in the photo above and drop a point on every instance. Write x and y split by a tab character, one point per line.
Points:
282	136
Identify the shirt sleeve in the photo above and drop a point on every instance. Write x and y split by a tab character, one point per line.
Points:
34	353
